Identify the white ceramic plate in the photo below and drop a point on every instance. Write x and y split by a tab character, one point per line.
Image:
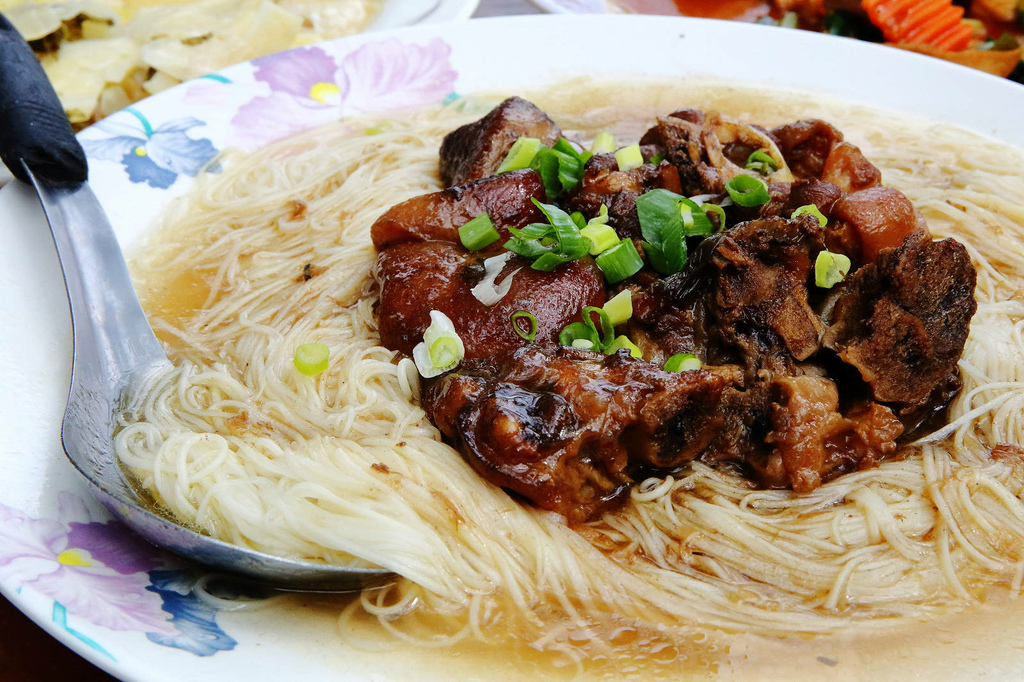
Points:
122	604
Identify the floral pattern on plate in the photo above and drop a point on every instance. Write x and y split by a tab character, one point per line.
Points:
153	156
101	573
308	87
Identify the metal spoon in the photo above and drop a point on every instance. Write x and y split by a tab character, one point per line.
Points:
114	347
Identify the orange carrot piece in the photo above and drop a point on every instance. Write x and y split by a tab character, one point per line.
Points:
938	23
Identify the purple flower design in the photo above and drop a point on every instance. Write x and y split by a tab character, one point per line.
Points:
102	573
156	157
308	87
95	570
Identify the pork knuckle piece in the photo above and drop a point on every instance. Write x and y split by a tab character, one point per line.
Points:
439	215
477	149
903	320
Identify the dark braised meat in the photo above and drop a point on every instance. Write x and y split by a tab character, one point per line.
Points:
710	149
903	320
477	149
417	277
801	379
814	442
604	183
815	149
563	427
760	291
505	197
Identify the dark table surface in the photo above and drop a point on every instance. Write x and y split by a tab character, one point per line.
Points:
27	652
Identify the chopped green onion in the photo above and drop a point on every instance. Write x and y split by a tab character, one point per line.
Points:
623	342
311	358
629	157
578	218
444	351
570	242
789	20
620	261
810	209
666	219
576	331
382	127
748	191
604	143
830	269
601	237
619	307
583	344
527	248
441	349
478	233
607	332
682	362
560	167
762	162
531	320
601	218
658	158
718	212
547	262
520	155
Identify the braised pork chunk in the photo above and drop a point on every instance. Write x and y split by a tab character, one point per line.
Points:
808	336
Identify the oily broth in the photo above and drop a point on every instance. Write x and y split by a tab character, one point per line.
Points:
685	651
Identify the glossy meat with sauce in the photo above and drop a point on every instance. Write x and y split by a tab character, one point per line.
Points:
476	150
506	198
799	383
565	428
417	277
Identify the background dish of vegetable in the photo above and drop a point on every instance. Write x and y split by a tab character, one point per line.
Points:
981	34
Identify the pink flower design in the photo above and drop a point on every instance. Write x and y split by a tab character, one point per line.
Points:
309	88
96	570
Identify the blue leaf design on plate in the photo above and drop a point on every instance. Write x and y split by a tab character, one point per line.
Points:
195	621
142	169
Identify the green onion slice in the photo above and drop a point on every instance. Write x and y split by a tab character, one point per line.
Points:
604	143
789	20
311	358
577	331
682	362
629	157
762	162
520	155
619	307
441	349
623	342
529	335
716	214
748	191
811	209
571	243
666	219
578	218
830	269
478	233
606	333
382	127
601	237
560	167
620	261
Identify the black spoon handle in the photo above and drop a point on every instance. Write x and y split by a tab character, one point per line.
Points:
33	126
